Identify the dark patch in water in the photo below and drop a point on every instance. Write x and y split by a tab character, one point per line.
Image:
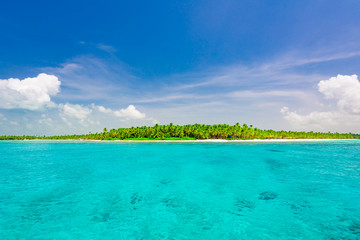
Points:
242	205
165	181
170	202
210	146
268	195
294	206
206	225
274	164
297	207
236	213
106	216
101	217
206	228
355	229
135	198
275	150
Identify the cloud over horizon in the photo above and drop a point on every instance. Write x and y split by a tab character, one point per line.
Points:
75	111
93	88
30	93
129	113
82	113
27	106
345	91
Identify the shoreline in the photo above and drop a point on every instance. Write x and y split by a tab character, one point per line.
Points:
182	141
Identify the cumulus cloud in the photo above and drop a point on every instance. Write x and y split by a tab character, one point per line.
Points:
30	93
313	120
345	90
129	113
92	114
75	111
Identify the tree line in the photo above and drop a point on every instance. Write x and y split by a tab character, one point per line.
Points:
193	131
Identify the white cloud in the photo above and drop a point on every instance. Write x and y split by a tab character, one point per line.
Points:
76	115
246	93
311	121
29	93
129	113
345	90
75	111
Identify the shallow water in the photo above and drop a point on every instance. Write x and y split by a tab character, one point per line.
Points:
68	190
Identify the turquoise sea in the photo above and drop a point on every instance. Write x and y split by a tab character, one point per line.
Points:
80	190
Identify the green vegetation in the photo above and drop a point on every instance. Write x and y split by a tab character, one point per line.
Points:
150	139
356	136
192	132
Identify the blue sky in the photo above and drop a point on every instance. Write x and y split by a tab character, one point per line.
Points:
274	64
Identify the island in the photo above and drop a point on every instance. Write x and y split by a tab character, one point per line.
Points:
191	132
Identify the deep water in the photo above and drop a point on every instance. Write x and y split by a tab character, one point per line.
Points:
69	190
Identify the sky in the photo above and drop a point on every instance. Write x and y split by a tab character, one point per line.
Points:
79	66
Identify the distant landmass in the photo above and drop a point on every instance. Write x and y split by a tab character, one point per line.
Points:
192	132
